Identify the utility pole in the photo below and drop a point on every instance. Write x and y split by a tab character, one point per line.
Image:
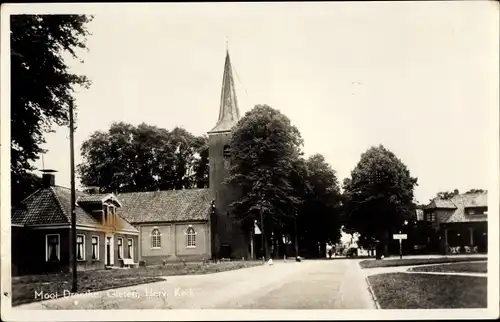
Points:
72	243
262	231
296	236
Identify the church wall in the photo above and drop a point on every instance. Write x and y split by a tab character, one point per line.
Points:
173	242
201	250
167	241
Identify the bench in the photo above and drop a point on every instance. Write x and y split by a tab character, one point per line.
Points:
129	262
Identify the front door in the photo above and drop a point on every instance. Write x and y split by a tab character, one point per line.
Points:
108	251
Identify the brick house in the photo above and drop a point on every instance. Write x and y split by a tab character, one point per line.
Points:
460	224
41	231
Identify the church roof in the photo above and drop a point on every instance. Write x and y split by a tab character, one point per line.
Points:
229	113
166	206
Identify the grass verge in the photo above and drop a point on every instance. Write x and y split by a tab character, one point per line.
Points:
466	267
373	263
27	289
424	291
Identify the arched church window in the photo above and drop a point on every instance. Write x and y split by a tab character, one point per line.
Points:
155	238
190	237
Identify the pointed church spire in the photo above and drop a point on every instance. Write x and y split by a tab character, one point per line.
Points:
229	113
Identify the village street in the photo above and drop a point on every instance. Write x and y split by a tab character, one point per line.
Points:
313	284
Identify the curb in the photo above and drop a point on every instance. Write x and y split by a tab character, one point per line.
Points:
372	293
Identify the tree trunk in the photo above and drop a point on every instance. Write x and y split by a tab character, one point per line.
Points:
281	246
296	237
386	244
266	247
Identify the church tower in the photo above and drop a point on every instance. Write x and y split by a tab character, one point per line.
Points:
227	238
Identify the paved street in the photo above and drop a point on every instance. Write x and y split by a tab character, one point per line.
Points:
314	284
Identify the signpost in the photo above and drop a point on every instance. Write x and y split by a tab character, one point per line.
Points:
400	237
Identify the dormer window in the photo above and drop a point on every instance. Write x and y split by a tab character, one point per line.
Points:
109	214
105	212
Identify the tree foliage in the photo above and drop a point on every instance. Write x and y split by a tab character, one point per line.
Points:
379	195
275	179
447	194
131	158
318	218
450	194
42	86
476	191
265	147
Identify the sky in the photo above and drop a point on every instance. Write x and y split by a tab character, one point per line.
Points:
419	78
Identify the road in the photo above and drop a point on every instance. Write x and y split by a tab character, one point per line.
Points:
313	284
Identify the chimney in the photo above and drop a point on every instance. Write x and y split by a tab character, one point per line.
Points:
93	190
48	178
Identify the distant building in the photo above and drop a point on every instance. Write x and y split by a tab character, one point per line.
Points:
460	222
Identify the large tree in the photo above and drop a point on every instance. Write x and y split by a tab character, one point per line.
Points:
379	195
143	158
265	147
42	86
318	219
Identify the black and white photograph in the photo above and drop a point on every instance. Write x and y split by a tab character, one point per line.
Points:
250	160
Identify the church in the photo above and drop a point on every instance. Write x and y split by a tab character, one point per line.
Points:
194	224
151	227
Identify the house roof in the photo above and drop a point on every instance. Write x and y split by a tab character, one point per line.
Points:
52	205
97	198
165	206
476	200
92	198
461	203
442	204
